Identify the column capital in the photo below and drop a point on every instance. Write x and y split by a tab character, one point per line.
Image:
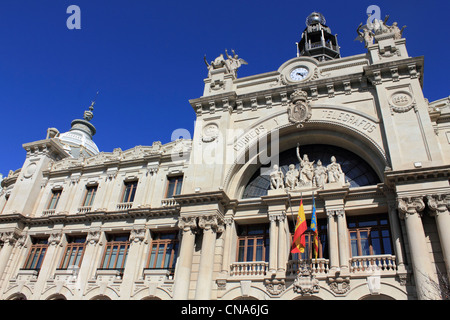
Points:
338	212
208	222
9	237
187	223
410	205
438	204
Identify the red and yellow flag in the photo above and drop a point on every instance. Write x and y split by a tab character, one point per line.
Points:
299	243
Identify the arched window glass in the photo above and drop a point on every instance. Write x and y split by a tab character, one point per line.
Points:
357	172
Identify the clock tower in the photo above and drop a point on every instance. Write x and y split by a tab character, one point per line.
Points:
317	40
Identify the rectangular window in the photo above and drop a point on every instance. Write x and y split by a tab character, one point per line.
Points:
36	254
74	252
130	191
56	194
163	251
116	251
90	195
253	243
369	235
174	186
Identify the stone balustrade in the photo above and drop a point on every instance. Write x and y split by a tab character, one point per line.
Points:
384	264
249	269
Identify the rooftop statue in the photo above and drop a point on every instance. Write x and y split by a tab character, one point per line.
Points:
370	30
231	64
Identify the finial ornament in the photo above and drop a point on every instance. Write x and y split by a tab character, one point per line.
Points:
88	114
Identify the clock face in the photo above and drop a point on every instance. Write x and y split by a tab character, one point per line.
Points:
299	73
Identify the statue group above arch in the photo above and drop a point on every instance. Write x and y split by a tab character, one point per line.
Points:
307	176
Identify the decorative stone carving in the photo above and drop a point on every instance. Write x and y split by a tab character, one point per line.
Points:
55	238
439	203
210	132
410	205
276	178
275	286
306	283
93	236
292	177
137	234
9	237
401	101
210	222
186	223
339	285
334	171
299	111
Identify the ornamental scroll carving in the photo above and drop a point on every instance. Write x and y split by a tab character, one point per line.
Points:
410	205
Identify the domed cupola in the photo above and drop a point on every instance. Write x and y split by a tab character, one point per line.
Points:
78	140
317	40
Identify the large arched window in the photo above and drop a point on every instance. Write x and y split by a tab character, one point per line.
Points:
357	172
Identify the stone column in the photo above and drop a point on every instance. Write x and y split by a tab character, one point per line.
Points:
343	241
409	210
332	241
439	205
273	243
184	264
210	225
282	244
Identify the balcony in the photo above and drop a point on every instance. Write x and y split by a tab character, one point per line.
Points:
84	209
124	205
170	202
383	264
48	212
253	269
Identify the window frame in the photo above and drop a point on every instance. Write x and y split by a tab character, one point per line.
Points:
156	243
36	255
57	193
91	196
243	235
132	192
110	244
178	180
70	247
369	229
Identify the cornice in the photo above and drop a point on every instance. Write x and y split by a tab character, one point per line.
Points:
392	178
203	198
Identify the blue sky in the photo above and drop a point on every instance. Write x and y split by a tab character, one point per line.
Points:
146	58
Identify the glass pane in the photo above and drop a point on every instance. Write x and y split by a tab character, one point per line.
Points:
126	194
79	255
120	258
160	256
250	250
387	246
72	257
106	258
168	255
367	223
241	253
41	257
171	188
113	257
365	249
133	192
376	246
179	184
354	248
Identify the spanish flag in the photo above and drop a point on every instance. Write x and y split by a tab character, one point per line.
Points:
313	228
299	243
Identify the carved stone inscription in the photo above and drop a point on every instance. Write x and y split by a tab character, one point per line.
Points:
358	122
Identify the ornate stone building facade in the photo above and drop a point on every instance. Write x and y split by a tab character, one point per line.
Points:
213	217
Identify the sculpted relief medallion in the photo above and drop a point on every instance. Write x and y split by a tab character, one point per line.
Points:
210	132
401	101
299	111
